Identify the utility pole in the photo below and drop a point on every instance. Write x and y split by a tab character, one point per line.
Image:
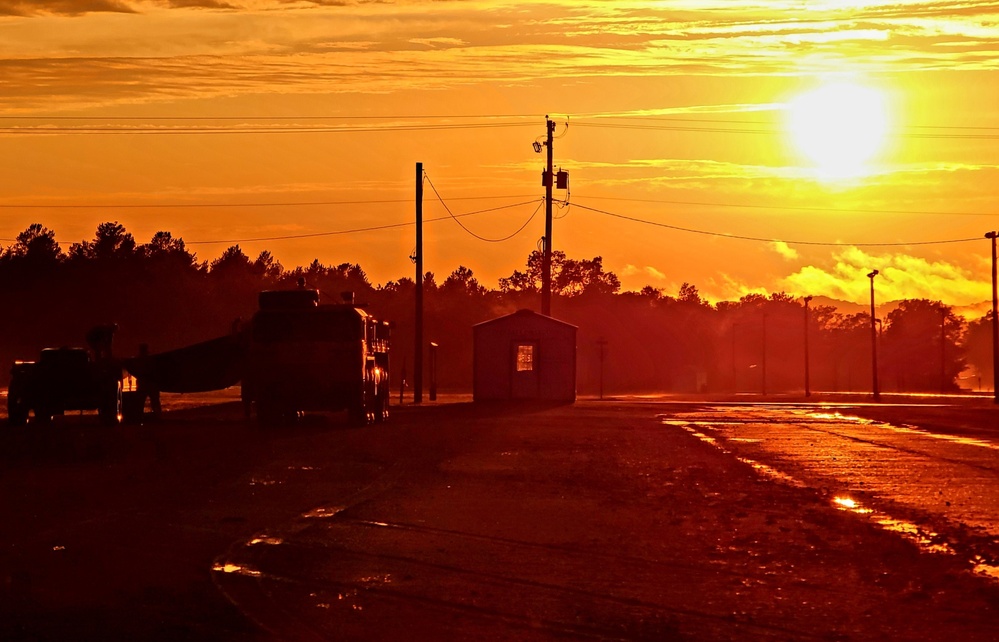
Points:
418	342
808	390
602	343
546	264
995	322
874	342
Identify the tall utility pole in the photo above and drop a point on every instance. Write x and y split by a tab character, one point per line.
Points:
808	390
418	341
874	342
546	264
995	321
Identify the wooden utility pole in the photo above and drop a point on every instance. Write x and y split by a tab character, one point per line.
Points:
418	341
995	321
546	264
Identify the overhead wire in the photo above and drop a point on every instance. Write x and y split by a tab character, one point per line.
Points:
230	205
426	177
742	237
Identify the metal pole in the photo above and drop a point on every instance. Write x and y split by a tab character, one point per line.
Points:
874	343
546	264
943	349
995	322
602	343
433	371
764	373
418	341
808	390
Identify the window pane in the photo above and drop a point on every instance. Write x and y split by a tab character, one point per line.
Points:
525	358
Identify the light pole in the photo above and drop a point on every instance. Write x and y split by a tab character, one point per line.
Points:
874	342
995	322
808	390
763	374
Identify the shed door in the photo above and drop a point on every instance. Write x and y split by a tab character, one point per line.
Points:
526	380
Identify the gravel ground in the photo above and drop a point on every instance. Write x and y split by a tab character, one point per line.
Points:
453	521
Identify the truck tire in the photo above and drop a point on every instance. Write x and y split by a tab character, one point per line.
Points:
381	408
17	410
110	410
132	406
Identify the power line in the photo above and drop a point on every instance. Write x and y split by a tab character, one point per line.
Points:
237	205
802	208
417	117
356	230
770	240
159	131
462	225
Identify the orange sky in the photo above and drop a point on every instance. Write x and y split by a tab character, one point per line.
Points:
676	109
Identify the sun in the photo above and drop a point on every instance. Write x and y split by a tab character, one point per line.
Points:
839	127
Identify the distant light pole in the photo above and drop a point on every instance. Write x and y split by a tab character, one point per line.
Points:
808	390
874	342
995	322
602	344
764	372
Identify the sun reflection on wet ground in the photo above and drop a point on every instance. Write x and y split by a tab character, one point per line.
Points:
911	469
237	569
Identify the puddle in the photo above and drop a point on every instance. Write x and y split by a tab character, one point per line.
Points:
264	482
236	569
771	472
323	512
926	540
266	540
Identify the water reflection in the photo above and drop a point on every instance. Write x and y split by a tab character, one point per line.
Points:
237	569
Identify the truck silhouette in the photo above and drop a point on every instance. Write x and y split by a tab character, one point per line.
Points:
71	378
301	355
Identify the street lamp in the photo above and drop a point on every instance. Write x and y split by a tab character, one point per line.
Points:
995	321
808	391
874	342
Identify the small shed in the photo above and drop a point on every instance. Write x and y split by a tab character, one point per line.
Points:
524	355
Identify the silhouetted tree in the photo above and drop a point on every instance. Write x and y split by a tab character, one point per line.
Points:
922	348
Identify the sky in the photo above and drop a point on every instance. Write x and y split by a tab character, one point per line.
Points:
295	126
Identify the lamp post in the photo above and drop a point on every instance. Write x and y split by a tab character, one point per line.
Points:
874	343
763	374
808	390
995	321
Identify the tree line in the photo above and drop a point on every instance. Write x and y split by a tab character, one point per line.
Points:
159	293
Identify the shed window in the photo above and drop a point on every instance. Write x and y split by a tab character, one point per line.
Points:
525	357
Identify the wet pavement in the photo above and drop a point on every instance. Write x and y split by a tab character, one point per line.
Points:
936	488
611	520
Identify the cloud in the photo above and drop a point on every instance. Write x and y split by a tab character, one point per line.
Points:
901	276
786	251
61	7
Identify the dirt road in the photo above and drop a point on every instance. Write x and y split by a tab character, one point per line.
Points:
453	521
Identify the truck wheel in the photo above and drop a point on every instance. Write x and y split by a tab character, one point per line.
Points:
358	415
110	411
132	406
17	410
381	409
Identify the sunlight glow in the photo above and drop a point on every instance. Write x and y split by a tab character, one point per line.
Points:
839	127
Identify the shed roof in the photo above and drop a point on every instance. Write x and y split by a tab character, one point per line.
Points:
525	314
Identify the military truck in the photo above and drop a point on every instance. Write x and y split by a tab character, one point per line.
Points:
66	379
301	355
